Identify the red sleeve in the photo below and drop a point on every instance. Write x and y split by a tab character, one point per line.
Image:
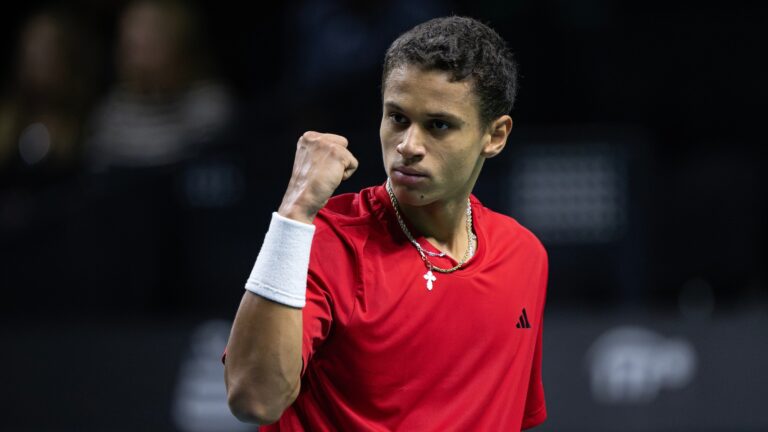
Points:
317	317
535	407
331	284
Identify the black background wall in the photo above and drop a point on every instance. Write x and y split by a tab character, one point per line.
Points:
108	277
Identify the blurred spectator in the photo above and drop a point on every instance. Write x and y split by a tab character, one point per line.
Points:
43	107
164	106
43	110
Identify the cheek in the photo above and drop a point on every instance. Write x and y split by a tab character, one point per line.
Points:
388	138
458	164
381	132
387	148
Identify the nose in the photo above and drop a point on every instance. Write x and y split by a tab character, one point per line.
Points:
412	145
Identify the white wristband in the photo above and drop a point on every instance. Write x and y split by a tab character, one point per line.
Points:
280	272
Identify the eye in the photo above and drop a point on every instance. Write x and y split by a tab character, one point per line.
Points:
440	125
398	118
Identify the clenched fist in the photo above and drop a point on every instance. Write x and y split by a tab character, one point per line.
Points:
322	162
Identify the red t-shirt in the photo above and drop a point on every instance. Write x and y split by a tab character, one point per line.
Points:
381	352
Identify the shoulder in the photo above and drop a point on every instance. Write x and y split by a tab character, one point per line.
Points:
346	221
348	210
506	229
342	229
516	246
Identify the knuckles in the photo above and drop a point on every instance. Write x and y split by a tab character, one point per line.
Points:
311	136
316	141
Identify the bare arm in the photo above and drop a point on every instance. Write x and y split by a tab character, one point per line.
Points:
263	359
263	366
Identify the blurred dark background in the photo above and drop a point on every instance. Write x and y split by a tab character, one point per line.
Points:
144	145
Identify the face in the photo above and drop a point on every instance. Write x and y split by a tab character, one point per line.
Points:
146	46
42	64
432	140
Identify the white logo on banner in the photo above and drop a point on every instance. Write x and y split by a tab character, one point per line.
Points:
200	400
631	365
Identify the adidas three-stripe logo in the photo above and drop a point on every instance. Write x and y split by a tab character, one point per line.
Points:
523	321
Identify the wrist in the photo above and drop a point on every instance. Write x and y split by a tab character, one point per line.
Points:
280	271
296	212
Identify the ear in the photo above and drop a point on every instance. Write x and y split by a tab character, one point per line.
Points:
497	134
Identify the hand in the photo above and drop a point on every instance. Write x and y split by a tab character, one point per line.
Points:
322	162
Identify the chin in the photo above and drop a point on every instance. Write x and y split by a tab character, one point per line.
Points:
412	196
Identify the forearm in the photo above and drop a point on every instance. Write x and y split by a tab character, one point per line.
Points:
263	365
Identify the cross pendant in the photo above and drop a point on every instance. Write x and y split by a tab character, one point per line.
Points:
430	278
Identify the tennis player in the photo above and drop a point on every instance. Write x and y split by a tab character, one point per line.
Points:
409	305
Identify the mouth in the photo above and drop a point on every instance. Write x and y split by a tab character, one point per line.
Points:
410	172
409	177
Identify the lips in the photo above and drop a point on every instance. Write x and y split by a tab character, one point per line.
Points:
410	171
409	177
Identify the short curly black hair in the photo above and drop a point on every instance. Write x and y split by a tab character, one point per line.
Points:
465	48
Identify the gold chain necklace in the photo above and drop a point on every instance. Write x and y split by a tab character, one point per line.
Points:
429	276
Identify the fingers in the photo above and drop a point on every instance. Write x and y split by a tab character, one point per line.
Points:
350	167
348	161
314	137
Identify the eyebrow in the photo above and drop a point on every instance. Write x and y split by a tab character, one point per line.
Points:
440	114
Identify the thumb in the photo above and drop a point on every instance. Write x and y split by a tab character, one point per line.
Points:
350	168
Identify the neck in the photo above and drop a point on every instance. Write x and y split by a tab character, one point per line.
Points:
442	223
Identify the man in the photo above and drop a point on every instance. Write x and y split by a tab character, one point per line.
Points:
407	306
